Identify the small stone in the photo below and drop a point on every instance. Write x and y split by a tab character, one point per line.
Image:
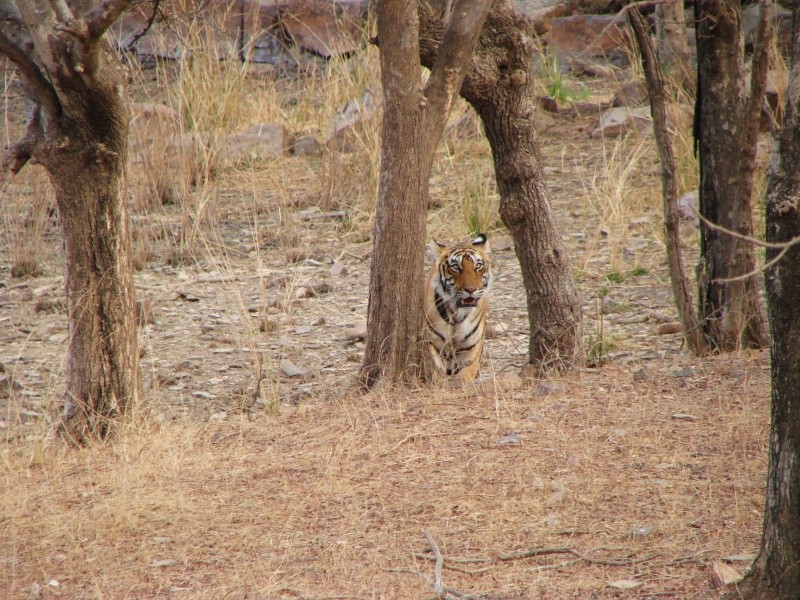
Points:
291	370
7	385
642	375
59	338
668	328
203	395
338	269
162	563
685	372
625	584
503	242
723	575
552	522
545	388
320	321
509	440
303	329
641	532
306	145
357	333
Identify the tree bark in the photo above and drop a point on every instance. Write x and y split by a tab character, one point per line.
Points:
776	572
78	131
726	131
673	49
499	86
681	289
413	121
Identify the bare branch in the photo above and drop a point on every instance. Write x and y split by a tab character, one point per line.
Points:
758	72
97	20
39	87
18	155
747	238
437	569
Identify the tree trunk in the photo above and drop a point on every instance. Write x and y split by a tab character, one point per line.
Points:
726	130
500	87
672	46
78	131
776	572
681	287
413	120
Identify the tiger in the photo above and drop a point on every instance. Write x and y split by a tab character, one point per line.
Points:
456	301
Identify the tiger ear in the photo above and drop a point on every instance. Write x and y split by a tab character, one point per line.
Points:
480	240
442	246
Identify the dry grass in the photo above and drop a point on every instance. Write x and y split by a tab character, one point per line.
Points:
330	501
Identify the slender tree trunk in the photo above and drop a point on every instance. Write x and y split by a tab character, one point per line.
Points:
681	288
726	129
78	131
776	572
500	87
672	46
413	120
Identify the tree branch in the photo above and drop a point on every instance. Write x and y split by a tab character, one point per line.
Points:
99	18
453	55
20	153
758	72
40	89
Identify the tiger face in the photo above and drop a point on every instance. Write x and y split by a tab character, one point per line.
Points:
456	302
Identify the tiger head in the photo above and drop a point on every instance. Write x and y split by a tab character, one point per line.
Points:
464	275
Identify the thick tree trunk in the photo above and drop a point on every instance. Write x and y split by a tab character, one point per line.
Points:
726	129
500	87
78	131
413	120
776	572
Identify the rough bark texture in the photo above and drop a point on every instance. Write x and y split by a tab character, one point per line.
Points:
500	87
681	288
78	132
413	121
673	48
726	130
776	572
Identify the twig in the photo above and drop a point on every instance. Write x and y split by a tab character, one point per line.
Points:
437	570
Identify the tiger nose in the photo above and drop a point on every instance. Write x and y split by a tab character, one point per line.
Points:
470	290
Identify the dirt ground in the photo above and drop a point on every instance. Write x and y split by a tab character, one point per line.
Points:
256	472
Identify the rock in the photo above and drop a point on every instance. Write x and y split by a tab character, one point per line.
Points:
685	372
545	388
357	333
620	119
590	36
501	243
630	93
642	375
306	145
723	575
7	385
338	269
625	584
259	141
556	498
168	562
669	328
292	371
640	532
323	27
349	124
689	207
511	439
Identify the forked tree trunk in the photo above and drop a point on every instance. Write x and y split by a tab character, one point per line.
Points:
726	130
776	572
500	85
78	131
413	120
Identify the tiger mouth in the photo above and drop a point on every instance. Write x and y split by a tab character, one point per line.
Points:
470	301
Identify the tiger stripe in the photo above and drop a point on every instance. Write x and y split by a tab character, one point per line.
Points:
456	305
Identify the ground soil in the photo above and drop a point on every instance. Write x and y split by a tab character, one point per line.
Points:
258	480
